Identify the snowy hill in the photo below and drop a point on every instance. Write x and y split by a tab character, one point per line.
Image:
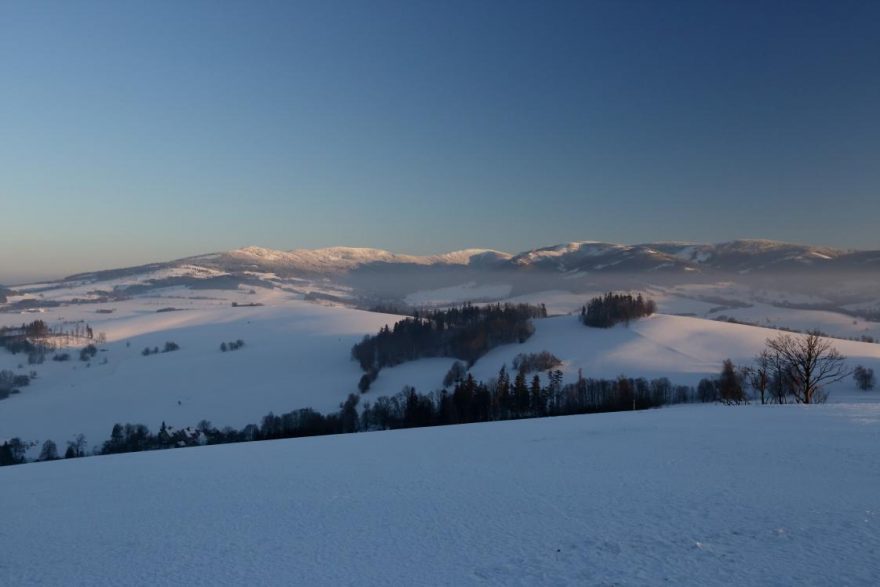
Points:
298	313
602	499
693	495
297	355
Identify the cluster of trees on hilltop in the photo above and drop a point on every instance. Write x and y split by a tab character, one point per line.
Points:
232	345
467	333
613	308
169	347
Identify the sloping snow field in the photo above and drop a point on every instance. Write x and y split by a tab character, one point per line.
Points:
691	495
682	348
297	355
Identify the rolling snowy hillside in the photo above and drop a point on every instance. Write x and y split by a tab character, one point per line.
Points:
297	351
691	495
297	355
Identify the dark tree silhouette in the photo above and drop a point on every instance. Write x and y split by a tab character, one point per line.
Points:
864	378
811	363
610	309
730	388
48	452
464	333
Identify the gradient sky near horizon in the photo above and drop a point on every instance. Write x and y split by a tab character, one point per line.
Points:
144	131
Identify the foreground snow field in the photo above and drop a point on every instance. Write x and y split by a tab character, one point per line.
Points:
692	495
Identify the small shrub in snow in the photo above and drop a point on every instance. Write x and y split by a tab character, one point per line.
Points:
10	382
231	346
87	352
864	378
534	362
37	356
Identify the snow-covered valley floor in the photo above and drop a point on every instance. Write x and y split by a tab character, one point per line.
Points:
689	495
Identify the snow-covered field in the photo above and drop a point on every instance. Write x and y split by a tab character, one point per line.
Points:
689	495
297	355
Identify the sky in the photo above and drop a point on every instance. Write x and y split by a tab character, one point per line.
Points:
133	132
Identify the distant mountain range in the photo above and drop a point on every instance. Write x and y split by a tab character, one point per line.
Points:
582	257
821	277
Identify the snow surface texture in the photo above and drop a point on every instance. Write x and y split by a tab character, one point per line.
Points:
690	495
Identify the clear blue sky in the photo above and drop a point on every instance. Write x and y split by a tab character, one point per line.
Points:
141	131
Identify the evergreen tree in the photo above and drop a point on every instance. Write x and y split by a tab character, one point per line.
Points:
538	407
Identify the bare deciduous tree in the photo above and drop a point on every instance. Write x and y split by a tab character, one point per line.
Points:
759	376
812	363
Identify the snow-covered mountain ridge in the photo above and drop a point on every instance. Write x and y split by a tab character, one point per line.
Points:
767	271
333	259
740	256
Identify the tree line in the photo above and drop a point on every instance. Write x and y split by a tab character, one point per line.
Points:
790	369
501	398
